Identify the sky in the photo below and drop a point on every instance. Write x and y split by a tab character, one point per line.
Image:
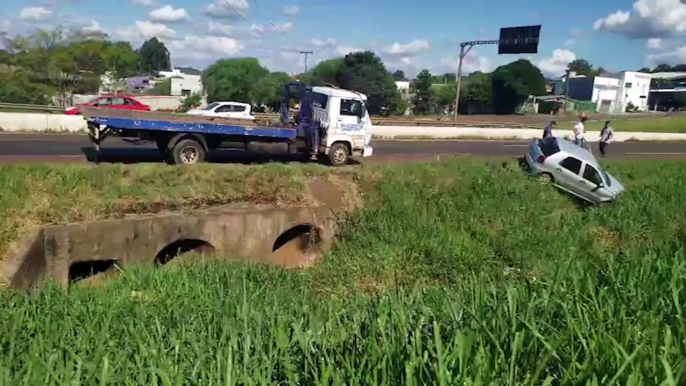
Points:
617	35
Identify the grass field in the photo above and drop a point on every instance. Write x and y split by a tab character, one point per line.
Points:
647	125
454	273
39	194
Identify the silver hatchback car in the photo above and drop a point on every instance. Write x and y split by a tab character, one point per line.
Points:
571	168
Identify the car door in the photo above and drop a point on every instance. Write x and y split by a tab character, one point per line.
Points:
103	103
567	174
592	186
223	111
348	116
118	103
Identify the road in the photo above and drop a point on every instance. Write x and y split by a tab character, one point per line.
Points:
77	148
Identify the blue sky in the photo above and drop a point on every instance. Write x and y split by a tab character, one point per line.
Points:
615	34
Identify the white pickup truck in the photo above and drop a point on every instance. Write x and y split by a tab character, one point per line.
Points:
236	110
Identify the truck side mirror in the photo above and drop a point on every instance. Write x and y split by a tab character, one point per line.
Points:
362	112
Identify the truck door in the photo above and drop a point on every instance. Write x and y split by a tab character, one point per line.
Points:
350	122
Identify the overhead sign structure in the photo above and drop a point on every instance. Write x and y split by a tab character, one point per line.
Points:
519	40
513	41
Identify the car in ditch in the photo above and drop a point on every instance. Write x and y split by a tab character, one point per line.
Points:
572	169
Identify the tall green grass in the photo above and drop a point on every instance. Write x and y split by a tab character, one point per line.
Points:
455	273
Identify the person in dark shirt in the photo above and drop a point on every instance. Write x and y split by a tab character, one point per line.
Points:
548	131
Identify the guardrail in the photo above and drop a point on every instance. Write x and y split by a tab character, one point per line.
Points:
31	108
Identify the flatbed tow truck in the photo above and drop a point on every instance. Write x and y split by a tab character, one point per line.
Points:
332	125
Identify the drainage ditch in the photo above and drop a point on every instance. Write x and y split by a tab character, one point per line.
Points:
90	253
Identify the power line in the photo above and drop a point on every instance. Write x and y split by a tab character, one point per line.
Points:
274	27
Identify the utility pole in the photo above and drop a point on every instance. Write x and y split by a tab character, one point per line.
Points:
463	53
306	53
564	107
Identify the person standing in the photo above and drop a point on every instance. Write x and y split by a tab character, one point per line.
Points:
606	135
579	129
548	130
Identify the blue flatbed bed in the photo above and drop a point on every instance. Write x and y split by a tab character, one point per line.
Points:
201	125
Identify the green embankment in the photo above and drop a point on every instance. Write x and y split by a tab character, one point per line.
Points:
454	273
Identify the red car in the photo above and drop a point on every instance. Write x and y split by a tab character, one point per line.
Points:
118	102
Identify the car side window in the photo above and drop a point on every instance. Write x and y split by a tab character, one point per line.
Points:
238	109
128	102
118	101
572	164
223	109
104	102
591	174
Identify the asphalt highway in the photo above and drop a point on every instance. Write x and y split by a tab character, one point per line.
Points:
77	148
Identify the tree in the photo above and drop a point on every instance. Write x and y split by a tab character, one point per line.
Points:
365	72
325	72
399	75
269	89
122	60
424	98
513	83
154	56
581	67
444	96
234	80
645	70
477	94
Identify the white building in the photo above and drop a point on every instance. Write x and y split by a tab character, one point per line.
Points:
635	89
186	85
182	83
605	94
403	86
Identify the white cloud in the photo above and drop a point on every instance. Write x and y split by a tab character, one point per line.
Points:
677	56
556	65
94	26
216	28
648	19
34	13
290	10
654	44
345	50
145	3
323	44
412	48
570	42
282	28
150	30
169	15
471	63
5	26
205	47
227	9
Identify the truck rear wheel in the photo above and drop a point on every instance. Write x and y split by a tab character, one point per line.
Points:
338	154
188	151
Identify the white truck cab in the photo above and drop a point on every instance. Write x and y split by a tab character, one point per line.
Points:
345	120
236	110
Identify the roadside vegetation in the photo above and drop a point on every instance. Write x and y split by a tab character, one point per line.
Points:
33	195
455	272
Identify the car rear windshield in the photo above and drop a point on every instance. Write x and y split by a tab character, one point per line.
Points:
548	146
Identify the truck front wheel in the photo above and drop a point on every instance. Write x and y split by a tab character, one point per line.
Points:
188	151
338	154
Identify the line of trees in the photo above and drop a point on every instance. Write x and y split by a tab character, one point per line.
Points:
49	65
36	68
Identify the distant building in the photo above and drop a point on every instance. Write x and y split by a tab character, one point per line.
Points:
137	83
667	90
612	93
183	83
403	86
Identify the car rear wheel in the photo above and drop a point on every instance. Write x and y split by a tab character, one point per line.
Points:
545	178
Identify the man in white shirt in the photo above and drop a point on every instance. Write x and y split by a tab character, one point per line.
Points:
579	130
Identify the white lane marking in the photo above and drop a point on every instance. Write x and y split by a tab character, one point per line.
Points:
648	153
524	145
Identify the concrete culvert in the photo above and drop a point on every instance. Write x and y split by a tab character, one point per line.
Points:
91	271
298	246
183	247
